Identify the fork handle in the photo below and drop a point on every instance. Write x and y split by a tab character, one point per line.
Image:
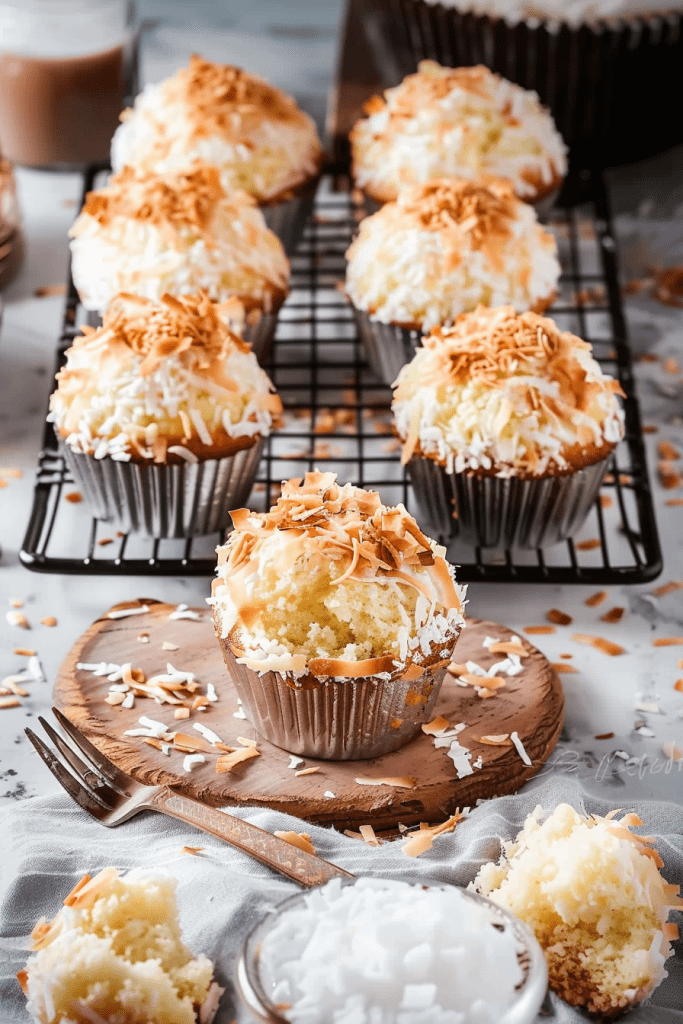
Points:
304	868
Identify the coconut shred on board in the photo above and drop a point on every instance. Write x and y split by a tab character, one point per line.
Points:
388	952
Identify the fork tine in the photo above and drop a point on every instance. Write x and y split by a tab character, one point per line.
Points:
65	778
113	776
85	774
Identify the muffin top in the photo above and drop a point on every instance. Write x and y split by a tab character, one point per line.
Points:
600	910
446	246
507	393
150	234
115	944
332	582
253	133
456	122
164	381
571	12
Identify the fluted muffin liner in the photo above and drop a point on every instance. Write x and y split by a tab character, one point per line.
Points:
604	83
387	346
337	719
496	512
166	501
260	333
288	217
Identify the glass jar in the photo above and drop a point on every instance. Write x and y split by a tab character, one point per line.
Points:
66	67
11	242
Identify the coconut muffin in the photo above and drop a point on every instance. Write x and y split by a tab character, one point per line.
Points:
443	248
507	423
592	892
177	233
456	122
162	414
259	139
336	617
114	952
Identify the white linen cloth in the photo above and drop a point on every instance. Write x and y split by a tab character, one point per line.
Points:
48	843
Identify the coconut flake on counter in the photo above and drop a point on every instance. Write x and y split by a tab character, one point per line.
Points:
295	761
124	613
183	611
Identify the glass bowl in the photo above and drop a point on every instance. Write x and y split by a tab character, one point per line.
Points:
530	992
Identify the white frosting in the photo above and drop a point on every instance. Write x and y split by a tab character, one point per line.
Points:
571	12
406	276
475	426
236	255
279	155
124	404
495	128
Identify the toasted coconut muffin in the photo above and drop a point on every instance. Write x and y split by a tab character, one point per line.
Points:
592	892
328	599
456	122
176	233
503	396
442	249
114	953
159	385
256	135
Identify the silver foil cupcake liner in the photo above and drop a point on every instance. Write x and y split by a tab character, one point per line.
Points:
387	346
165	500
603	83
287	219
260	334
336	720
492	512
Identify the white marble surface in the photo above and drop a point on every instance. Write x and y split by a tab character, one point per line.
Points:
294	45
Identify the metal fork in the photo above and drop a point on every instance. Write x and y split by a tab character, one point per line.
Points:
112	797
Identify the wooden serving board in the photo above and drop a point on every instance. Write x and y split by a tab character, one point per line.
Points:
531	703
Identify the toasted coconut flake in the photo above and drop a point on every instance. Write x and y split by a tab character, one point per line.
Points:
9	702
420	842
368	836
398	782
558	617
500	740
678	685
75	497
308	771
538	630
85	893
143	637
674	502
226	762
181	714
194	851
599	642
668	641
672	751
22	978
17	618
115	698
302	840
666	450
454	669
436	726
668	588
562	668
604	736
613	615
508	647
191	744
16	602
595	599
24	652
588	545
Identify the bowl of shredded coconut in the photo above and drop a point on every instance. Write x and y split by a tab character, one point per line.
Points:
389	951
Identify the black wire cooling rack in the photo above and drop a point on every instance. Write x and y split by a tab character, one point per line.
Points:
337	417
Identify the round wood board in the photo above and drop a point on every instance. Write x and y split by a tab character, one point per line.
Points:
531	703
